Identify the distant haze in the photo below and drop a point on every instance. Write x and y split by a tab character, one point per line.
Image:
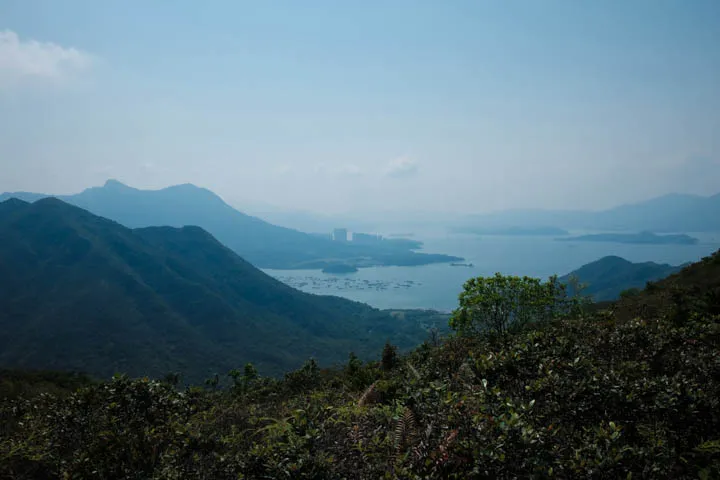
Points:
365	107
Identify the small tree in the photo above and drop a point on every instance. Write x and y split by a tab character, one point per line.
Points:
308	376
630	293
354	365
172	378
242	382
213	381
497	303
357	374
389	357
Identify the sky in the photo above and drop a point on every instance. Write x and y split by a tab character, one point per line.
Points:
365	106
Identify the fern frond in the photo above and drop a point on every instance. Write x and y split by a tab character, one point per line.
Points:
414	371
369	396
405	430
410	424
400	429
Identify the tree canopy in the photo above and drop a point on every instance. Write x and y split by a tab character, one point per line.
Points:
497	303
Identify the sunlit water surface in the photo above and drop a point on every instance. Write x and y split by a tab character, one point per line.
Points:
437	286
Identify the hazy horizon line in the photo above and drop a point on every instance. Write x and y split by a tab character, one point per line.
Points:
257	205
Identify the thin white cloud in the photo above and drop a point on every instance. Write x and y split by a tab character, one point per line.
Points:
401	167
22	60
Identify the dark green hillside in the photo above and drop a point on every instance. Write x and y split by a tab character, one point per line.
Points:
80	292
696	287
607	278
630	392
19	383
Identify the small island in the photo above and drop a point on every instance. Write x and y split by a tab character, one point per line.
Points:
340	268
642	238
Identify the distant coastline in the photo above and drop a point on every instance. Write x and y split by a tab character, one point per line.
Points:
399	258
340	268
642	238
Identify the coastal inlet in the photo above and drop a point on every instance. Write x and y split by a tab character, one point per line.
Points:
344	283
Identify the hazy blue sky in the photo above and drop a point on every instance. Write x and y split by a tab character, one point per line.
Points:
346	106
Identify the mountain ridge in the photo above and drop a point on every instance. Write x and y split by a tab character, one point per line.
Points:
669	213
82	292
261	243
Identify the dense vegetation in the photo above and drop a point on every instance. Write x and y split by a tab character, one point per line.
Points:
80	292
607	278
260	243
628	392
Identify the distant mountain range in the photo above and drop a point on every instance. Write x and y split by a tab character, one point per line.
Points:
642	238
606	278
81	292
669	213
261	243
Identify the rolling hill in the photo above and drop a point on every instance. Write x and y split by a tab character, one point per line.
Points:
608	277
81	292
260	243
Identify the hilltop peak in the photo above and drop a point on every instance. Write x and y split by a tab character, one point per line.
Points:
189	187
613	258
14	202
609	276
11	205
53	201
115	184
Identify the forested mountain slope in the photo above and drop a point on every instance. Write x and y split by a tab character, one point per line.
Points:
80	292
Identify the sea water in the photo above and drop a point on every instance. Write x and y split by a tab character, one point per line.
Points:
437	286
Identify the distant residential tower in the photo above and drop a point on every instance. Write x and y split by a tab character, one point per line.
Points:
366	237
340	235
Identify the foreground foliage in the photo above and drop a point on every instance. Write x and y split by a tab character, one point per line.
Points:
632	392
